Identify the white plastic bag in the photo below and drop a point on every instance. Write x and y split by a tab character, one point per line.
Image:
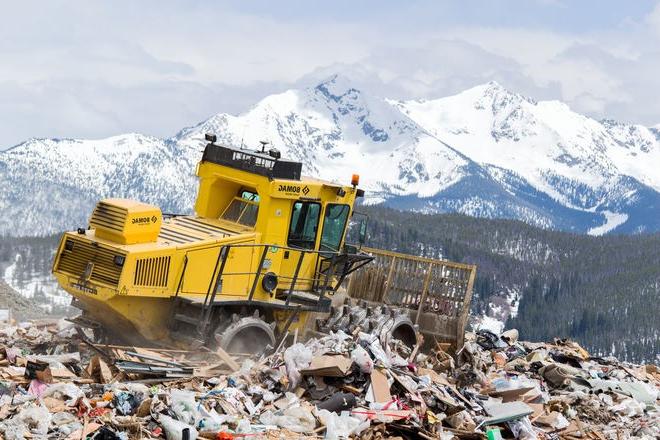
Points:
296	358
66	423
341	426
267	396
362	359
210	420
296	419
445	435
37	418
376	349
184	406
174	428
628	408
65	389
33	418
243	427
522	429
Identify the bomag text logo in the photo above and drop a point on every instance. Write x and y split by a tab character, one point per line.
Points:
289	189
143	220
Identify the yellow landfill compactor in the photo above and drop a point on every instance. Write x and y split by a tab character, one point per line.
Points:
265	249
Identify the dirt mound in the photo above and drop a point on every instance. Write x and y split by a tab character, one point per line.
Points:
21	308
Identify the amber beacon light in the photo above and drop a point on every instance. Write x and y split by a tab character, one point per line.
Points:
355	180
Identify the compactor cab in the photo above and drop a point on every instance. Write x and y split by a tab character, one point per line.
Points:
265	247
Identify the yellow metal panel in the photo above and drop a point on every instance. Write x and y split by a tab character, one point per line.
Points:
237	277
199	270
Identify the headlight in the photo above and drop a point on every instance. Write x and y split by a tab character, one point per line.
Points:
68	245
119	260
269	282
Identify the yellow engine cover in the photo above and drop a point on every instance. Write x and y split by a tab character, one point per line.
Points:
126	221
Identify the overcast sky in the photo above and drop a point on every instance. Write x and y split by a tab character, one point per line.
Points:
94	69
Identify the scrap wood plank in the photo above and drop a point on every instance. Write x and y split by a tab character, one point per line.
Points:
119	354
351	389
212	369
98	369
154	359
420	341
154	353
134	348
231	363
380	386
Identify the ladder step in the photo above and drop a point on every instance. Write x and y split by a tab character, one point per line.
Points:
187	319
295	299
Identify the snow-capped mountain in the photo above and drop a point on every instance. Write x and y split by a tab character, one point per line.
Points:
336	130
485	152
51	184
584	165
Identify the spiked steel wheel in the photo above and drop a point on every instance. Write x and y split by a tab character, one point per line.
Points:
384	322
249	334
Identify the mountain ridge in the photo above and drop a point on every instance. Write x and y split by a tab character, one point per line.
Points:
485	152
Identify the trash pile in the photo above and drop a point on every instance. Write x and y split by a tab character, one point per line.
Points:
56	383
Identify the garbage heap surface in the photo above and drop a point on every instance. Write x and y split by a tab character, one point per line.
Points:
56	383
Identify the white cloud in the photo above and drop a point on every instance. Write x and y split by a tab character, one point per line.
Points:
653	19
607	74
74	69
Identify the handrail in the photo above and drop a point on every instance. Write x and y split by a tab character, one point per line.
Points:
286	248
183	272
213	276
295	277
321	282
418	258
256	277
224	252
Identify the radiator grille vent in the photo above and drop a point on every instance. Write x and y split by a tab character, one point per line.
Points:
78	253
152	272
106	216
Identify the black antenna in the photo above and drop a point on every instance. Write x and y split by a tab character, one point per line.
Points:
243	134
263	145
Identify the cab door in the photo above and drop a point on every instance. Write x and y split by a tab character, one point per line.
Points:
302	235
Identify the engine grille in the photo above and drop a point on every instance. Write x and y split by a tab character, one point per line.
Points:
77	254
152	272
106	216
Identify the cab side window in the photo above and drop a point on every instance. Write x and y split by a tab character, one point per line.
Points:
243	208
304	225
